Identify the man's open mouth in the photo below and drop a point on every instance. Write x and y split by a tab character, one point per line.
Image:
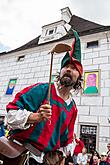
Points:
67	76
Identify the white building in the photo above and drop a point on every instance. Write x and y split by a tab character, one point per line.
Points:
30	64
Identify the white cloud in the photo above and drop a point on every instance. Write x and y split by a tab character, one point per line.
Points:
95	10
21	20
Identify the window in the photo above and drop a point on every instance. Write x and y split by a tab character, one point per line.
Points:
92	44
88	134
21	58
51	32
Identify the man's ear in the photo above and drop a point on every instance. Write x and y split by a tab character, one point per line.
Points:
80	78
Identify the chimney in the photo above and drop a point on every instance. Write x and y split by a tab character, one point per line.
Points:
66	14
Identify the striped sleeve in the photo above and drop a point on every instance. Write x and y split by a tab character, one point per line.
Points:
13	105
29	98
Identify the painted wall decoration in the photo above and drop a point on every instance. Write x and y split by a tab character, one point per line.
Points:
11	86
91	82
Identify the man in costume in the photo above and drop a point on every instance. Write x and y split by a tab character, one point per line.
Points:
29	114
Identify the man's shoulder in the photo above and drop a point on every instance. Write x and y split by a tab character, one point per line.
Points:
38	87
34	86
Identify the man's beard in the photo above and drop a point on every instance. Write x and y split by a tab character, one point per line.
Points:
66	80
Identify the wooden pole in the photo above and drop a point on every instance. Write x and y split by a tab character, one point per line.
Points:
50	78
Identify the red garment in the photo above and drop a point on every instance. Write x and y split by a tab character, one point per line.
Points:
42	135
79	146
108	159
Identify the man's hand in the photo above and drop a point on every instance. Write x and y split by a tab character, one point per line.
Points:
43	114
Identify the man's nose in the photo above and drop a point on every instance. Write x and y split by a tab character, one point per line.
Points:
68	69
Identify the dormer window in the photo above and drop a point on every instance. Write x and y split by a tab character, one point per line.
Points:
58	29
51	32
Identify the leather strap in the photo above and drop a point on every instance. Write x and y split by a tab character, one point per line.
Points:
32	149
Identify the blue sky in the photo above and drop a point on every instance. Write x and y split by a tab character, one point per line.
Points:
21	20
3	48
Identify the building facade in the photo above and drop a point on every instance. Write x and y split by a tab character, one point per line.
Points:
31	63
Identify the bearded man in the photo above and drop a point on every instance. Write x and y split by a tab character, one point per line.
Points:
29	114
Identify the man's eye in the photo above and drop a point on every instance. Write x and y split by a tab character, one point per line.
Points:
73	67
66	66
